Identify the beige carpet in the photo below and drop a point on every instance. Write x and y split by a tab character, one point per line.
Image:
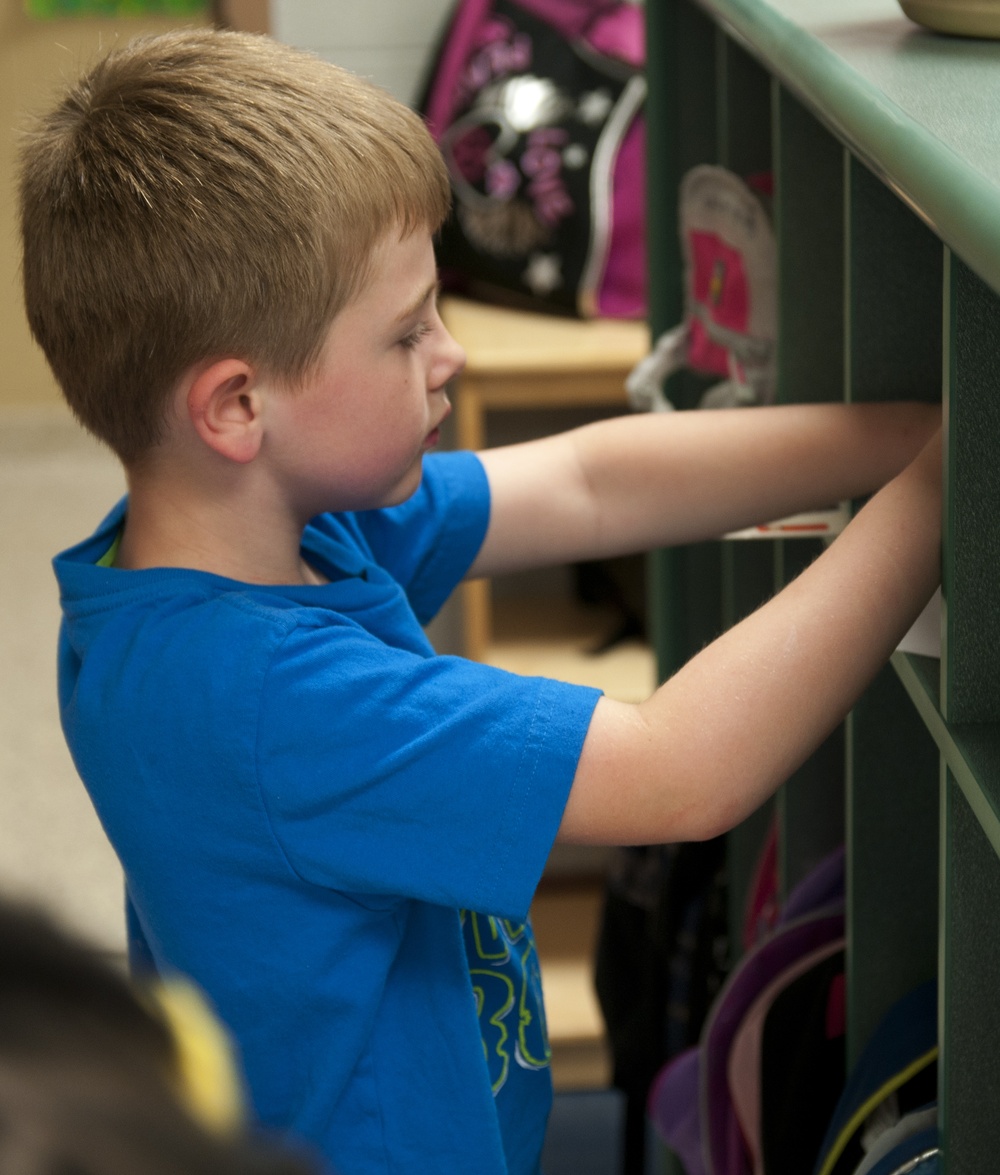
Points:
55	485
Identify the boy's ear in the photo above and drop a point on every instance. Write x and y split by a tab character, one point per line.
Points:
225	408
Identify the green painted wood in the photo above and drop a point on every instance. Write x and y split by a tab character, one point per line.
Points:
665	296
810	805
681	107
920	110
748	579
884	147
892	835
744	110
698	114
894	295
969	1078
663	113
893	350
809	225
971	689
971	753
811	812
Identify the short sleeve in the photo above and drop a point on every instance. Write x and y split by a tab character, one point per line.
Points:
385	773
428	543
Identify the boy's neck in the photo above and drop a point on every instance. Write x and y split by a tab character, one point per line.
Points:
240	533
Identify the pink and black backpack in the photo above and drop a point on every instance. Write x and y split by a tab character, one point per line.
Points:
537	108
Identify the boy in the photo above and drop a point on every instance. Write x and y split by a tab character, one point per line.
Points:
229	264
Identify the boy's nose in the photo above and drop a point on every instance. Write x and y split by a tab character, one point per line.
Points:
451	359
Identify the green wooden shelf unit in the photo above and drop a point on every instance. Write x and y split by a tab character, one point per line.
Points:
884	144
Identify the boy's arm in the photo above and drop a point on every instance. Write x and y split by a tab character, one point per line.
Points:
717	738
638	482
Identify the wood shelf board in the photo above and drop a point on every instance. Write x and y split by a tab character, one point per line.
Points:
534	390
500	340
556	638
971	751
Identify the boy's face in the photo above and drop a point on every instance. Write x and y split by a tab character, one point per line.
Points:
355	435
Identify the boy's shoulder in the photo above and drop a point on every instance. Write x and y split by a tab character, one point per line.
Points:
387	573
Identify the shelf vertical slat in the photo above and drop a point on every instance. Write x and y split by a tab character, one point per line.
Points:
970	687
892	817
747	569
970	693
894	307
893	331
808	217
744	135
810	805
809	225
681	47
969	1077
684	583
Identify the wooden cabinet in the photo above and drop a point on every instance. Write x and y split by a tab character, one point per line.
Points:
522	361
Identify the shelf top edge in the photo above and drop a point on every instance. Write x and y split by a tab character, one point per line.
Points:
920	109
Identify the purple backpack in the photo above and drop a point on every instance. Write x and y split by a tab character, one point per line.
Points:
690	1102
537	108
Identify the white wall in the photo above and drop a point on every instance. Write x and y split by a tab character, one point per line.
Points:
388	41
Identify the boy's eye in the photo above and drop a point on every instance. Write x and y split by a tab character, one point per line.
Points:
420	331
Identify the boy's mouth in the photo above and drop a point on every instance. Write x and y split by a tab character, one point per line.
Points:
434	435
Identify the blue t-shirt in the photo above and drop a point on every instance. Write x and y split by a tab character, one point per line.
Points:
307	800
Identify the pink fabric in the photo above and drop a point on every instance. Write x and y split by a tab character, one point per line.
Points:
441	101
623	286
675	1112
743	1066
621	33
720	287
571	17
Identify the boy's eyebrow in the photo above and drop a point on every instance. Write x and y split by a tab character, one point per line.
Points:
434	288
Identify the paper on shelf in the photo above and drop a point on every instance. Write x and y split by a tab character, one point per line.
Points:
815	524
924	638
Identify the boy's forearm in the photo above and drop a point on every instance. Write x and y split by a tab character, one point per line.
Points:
706	473
635	483
718	738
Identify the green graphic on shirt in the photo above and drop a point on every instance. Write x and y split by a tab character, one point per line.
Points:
494	991
533	1050
491	945
504	967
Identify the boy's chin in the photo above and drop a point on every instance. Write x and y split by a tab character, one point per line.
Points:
407	487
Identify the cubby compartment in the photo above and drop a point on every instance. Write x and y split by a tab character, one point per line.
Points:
809	225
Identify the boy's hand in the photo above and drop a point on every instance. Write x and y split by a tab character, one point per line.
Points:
726	730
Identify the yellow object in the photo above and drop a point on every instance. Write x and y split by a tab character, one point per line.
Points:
210	1083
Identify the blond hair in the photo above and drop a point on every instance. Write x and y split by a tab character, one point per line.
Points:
202	194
